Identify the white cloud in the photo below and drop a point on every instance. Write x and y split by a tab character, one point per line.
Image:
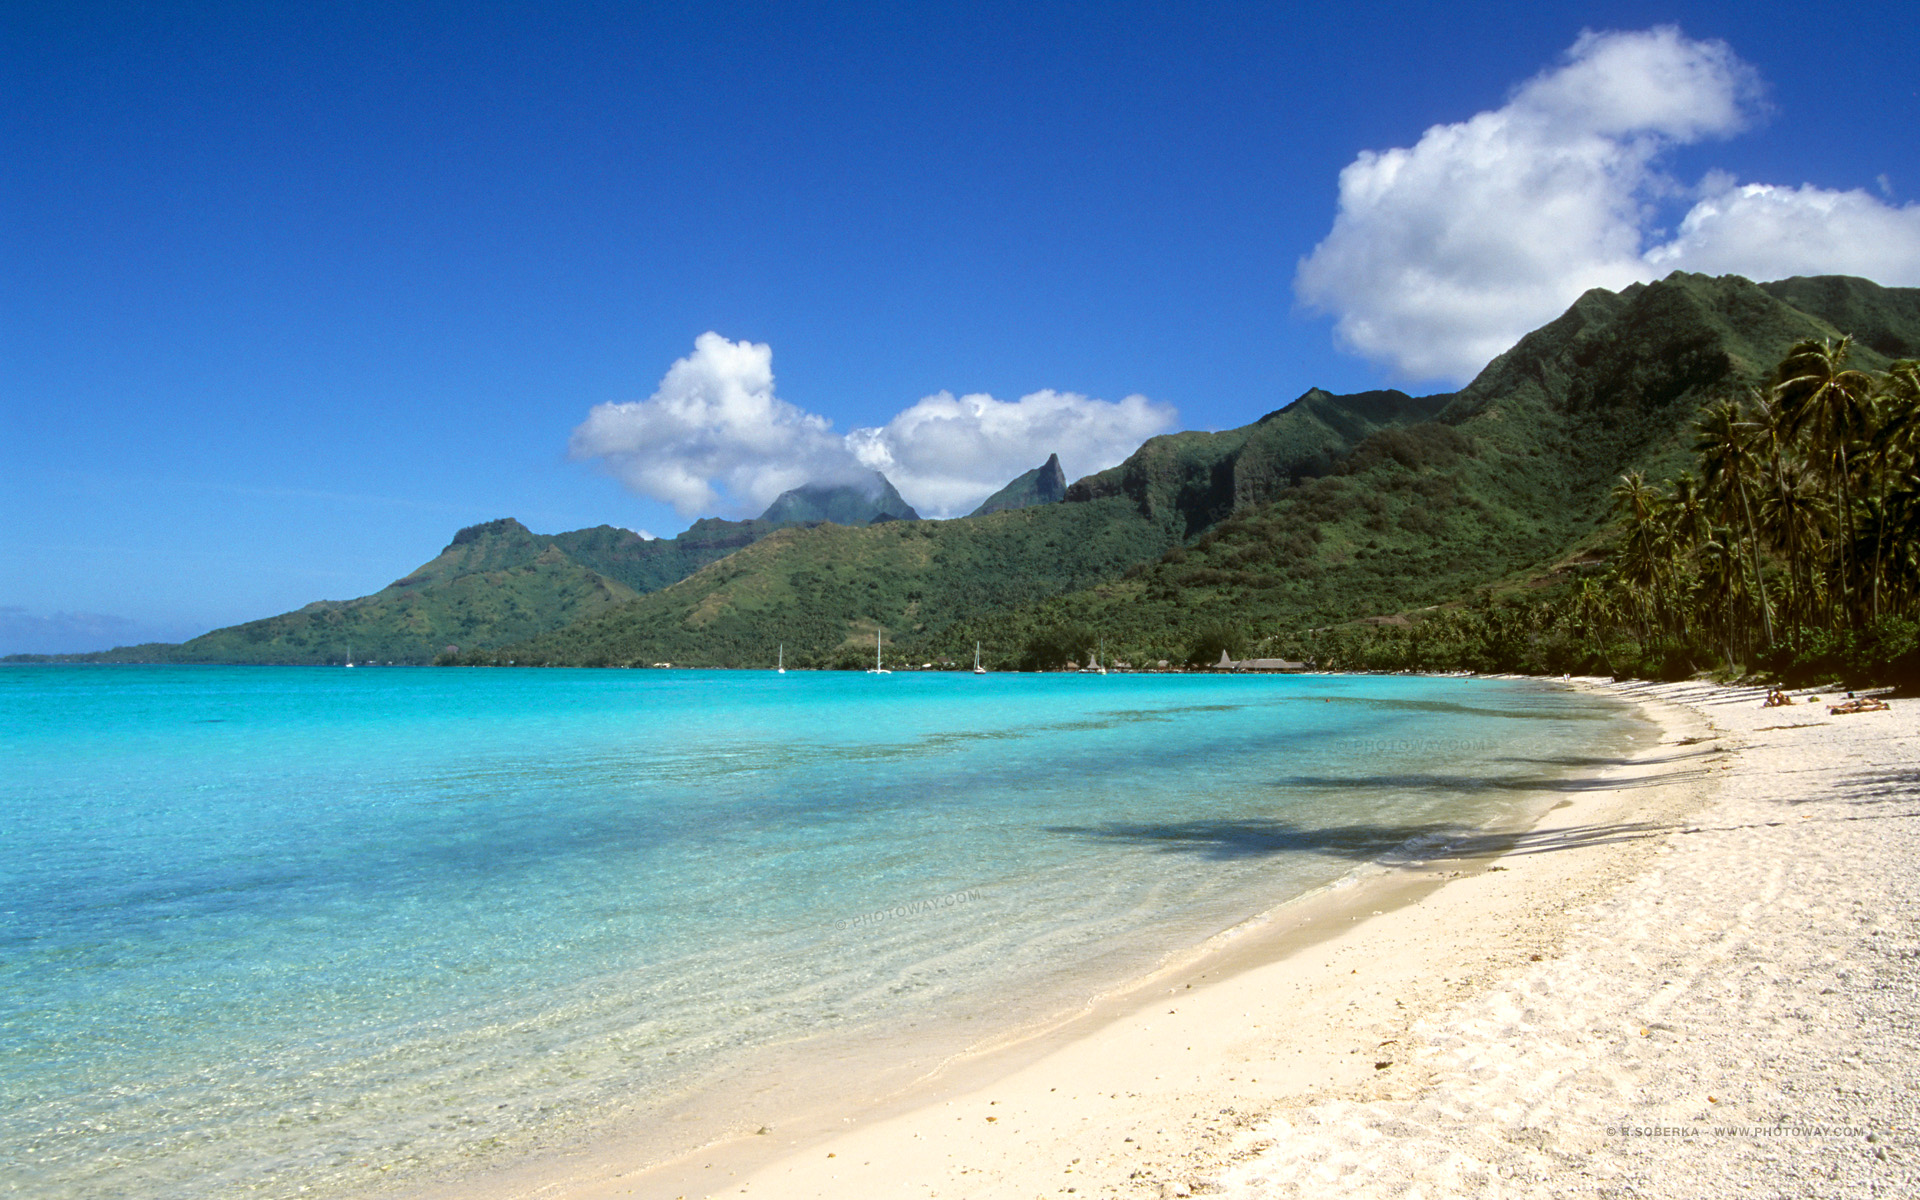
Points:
1443	254
1769	232
715	438
946	454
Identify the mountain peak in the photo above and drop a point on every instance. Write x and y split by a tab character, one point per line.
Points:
503	527
860	503
1045	484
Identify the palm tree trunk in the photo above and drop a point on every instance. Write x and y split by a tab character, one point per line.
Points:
1753	553
1842	601
1879	542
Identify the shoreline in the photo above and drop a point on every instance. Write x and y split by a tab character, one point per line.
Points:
1697	974
1736	1019
1135	1099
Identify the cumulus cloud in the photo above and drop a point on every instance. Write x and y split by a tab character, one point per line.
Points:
1767	232
947	453
714	438
1441	255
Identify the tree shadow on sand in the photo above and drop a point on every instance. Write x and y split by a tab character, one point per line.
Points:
1883	786
1589	761
1234	839
1656	772
1230	840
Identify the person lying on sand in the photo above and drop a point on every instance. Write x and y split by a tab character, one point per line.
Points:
1859	705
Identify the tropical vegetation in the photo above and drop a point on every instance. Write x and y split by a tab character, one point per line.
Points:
1790	549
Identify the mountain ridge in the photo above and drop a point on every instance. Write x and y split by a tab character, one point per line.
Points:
498	582
1315	513
1324	509
822	591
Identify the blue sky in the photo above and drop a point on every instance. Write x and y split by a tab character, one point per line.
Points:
288	294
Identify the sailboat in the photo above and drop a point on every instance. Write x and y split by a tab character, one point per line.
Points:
977	668
877	668
781	667
349	653
1093	666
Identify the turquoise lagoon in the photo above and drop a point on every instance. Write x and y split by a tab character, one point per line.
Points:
275	929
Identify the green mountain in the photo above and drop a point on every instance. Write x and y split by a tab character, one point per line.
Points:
493	584
1508	483
1880	319
1333	508
864	503
497	583
1045	484
1190	481
822	591
1326	510
649	564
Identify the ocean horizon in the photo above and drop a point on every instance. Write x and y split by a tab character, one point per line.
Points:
277	930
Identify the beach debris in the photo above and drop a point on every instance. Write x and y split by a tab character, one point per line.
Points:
1382	1064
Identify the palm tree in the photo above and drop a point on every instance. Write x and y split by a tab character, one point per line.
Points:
1593	615
1826	402
1794	513
1766	427
1903	528
1895	411
1687	510
1687	523
1723	580
1723	439
1644	550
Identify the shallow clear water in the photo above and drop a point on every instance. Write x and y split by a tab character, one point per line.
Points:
271	928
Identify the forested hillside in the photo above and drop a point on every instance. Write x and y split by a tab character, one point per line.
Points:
1328	511
1333	509
821	592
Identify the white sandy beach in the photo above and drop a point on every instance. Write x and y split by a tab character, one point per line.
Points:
1698	976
